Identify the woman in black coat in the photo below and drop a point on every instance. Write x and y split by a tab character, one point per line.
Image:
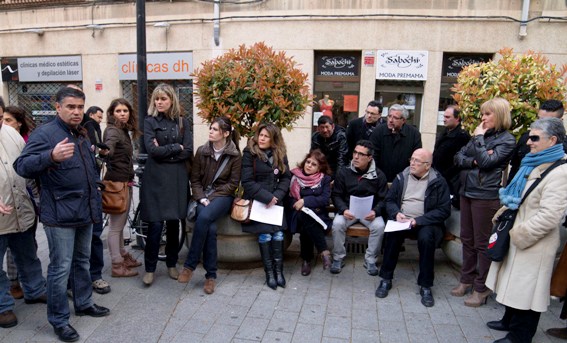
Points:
265	178
169	142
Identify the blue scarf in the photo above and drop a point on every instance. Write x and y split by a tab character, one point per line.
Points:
511	196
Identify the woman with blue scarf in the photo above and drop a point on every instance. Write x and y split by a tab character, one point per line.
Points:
522	279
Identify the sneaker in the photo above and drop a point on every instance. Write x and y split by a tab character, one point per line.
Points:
337	266
371	268
100	286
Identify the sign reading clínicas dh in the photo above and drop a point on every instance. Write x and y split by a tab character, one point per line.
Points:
401	65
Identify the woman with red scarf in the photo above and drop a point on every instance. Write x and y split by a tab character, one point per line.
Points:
310	188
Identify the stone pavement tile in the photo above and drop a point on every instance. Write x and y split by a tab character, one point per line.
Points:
244	297
364	300
337	327
20	335
283	321
262	309
334	340
205	315
220	333
449	333
31	317
365	319
365	336
316	297
233	315
541	337
307	333
290	302
390	308
277	337
268	294
183	337
312	314
419	327
393	331
475	329
252	329
198	325
411	300
341	307
172	328
214	303
442	312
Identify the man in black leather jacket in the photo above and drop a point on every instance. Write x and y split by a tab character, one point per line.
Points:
331	140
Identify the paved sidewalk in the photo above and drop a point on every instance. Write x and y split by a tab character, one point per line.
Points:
318	308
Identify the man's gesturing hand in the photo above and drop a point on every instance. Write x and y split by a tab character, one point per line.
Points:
63	150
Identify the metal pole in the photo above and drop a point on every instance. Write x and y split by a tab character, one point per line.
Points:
142	84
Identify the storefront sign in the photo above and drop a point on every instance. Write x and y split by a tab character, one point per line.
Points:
454	63
338	66
162	66
401	65
50	69
369	58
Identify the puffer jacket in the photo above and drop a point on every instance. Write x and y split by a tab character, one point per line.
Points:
205	167
69	190
12	186
483	179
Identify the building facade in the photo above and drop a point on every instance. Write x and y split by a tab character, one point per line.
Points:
395	51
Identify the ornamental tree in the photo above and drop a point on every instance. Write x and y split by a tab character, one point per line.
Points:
252	85
524	80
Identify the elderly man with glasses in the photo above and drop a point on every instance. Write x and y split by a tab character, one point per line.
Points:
419	196
395	142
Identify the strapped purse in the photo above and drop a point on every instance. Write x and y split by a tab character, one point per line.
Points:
192	207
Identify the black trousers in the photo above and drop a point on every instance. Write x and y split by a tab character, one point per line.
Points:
312	234
153	241
522	323
428	239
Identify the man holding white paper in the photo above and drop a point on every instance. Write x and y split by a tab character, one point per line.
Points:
419	195
361	179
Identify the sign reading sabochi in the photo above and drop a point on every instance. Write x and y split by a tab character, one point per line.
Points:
454	63
160	66
49	69
340	66
401	65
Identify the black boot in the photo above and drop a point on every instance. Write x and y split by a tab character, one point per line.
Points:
266	253
277	249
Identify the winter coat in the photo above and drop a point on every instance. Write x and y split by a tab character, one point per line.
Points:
262	181
93	130
351	181
69	190
205	167
446	147
482	181
12	186
335	148
356	130
315	198
522	279
119	160
392	151
437	202
165	182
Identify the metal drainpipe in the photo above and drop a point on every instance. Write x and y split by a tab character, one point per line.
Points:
216	25
524	25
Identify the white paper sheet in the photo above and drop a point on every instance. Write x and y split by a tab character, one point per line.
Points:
360	207
262	214
314	216
392	226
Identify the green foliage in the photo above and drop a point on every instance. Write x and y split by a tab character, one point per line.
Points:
252	85
524	80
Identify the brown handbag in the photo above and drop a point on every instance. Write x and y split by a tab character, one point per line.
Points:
241	210
559	277
114	197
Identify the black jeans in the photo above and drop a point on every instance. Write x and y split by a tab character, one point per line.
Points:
522	323
97	255
312	233
428	239
153	241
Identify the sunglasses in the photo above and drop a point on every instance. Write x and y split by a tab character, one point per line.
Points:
534	138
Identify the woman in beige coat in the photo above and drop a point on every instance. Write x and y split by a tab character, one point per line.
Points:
522	279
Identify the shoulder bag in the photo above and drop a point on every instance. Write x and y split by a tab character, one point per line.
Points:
115	197
499	241
241	208
192	207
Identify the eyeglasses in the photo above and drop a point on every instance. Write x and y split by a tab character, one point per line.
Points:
390	116
372	113
360	154
416	161
534	138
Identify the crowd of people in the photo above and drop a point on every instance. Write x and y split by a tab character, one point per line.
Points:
54	174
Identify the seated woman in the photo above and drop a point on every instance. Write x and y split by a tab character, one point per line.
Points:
214	179
311	188
522	280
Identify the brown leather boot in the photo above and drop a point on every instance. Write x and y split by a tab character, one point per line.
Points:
8	319
120	270
209	286
461	289
557	332
185	275
476	299
16	290
130	261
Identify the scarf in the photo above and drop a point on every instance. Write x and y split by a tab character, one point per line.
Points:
300	180
511	196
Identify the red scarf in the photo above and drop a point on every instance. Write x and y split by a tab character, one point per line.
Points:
300	180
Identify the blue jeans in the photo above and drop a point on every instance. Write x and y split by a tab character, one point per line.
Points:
69	254
204	239
97	255
153	241
23	249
